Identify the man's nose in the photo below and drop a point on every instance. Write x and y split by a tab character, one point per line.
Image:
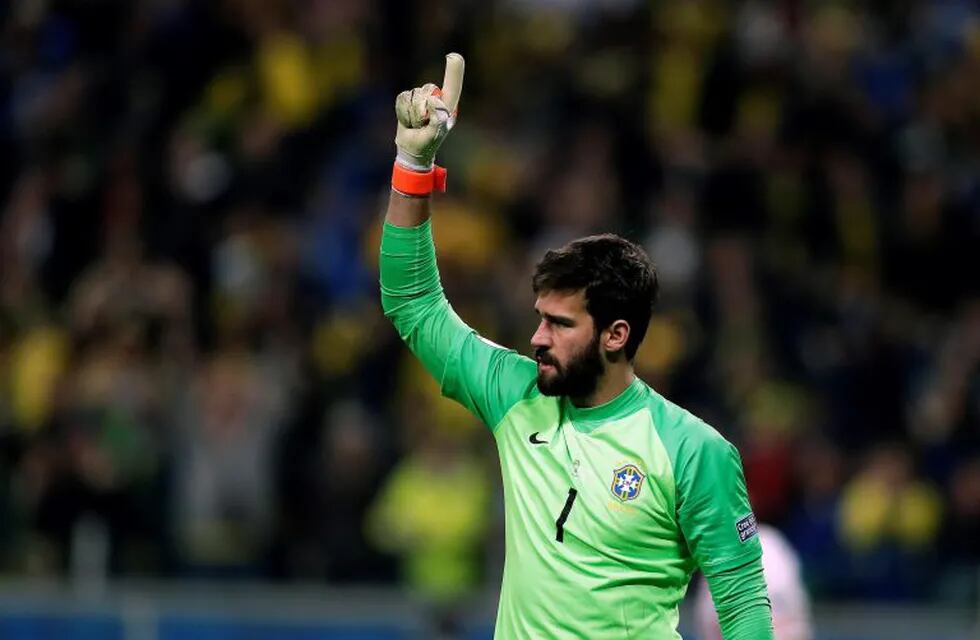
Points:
541	338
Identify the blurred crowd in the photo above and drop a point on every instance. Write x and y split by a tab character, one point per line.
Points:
195	375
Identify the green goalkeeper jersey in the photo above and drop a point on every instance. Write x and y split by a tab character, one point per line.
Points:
609	509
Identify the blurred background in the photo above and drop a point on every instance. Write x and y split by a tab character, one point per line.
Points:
208	429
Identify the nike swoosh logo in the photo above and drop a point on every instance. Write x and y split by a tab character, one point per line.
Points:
534	439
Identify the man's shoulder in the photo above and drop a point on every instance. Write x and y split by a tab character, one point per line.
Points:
678	427
516	362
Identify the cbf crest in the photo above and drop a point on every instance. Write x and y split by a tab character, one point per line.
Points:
627	482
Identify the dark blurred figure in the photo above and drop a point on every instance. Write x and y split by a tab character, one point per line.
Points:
960	537
889	525
335	477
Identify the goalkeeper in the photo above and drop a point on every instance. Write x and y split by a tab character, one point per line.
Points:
613	495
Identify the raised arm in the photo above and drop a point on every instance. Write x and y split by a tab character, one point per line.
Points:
485	378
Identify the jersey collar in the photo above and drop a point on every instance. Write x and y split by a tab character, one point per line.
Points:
586	419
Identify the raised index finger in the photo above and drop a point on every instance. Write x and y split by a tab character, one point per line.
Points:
452	84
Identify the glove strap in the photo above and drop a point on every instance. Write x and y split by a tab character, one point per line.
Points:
418	183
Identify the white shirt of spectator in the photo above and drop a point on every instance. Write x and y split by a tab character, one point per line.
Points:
790	601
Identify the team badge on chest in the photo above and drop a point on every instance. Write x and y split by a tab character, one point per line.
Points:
627	482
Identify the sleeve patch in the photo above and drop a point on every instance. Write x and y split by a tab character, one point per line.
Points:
747	527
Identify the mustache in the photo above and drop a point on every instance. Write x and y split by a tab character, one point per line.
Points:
542	356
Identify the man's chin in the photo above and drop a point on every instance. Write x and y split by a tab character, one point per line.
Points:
549	386
563	386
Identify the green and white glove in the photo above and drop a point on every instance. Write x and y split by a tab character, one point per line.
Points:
426	114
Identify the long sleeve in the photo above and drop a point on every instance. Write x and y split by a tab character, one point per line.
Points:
716	518
413	299
486	378
742	602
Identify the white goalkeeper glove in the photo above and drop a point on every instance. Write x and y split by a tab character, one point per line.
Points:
426	114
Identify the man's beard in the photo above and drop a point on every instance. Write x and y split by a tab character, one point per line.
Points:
578	378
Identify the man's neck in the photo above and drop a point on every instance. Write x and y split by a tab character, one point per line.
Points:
614	382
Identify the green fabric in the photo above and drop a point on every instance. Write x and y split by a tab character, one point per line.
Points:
657	492
711	488
742	602
472	370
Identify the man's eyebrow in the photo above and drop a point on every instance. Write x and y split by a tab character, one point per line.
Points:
562	320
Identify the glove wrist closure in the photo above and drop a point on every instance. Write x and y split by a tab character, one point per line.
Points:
409	182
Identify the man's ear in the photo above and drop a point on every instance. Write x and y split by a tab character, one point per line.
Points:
614	338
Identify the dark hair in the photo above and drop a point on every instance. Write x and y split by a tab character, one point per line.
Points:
619	280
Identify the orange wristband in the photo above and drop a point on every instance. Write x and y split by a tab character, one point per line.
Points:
418	183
